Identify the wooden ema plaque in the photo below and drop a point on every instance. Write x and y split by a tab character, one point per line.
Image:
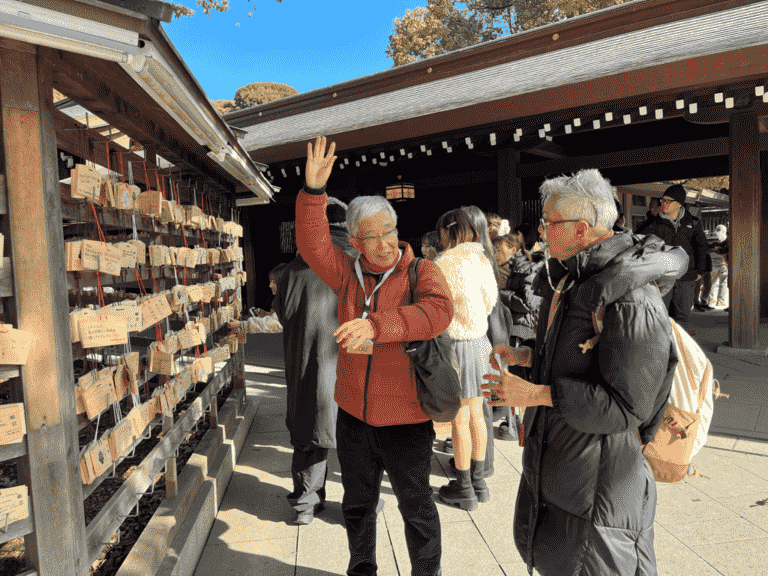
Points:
101	256
86	183
14	504
130	311
12	424
99	457
99	396
103	330
141	251
154	310
125	196
161	362
128	259
14	345
120	439
149	203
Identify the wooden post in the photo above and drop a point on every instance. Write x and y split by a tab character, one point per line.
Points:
238	377
744	234
764	237
57	546
214	415
510	187
171	480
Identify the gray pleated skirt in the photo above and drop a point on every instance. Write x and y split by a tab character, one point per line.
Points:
472	364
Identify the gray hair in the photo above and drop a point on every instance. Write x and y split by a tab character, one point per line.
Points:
364	207
586	195
332	200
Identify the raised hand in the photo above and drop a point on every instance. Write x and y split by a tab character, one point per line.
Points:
319	163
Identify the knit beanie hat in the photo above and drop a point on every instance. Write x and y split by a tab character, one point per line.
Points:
676	192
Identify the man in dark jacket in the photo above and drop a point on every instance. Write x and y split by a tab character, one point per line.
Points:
587	497
306	308
678	227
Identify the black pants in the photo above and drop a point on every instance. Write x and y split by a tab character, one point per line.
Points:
309	469
679	301
405	453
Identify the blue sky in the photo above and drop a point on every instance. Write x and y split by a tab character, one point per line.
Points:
306	44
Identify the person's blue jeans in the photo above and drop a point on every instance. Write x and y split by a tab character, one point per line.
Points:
405	453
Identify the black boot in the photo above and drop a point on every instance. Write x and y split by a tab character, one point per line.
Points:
459	492
477	474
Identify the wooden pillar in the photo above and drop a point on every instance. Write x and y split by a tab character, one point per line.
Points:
249	296
764	236
510	187
746	221
171	479
57	546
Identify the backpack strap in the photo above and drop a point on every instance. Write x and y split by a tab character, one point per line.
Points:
413	274
682	351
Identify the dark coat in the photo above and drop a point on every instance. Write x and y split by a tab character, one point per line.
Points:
587	497
649	219
519	297
307	308
689	236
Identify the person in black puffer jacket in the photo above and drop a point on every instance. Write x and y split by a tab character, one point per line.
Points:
678	227
587	498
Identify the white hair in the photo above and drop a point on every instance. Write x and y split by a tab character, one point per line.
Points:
586	195
364	207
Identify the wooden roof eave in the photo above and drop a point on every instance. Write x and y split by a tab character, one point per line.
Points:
590	27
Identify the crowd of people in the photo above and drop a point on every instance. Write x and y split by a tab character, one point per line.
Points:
517	307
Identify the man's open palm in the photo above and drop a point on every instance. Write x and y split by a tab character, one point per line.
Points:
319	163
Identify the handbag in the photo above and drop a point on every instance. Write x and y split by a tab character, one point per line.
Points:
437	383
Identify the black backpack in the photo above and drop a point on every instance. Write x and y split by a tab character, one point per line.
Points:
437	383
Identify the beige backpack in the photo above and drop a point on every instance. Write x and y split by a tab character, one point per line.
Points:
683	430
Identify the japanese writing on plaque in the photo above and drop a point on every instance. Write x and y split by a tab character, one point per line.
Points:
12	424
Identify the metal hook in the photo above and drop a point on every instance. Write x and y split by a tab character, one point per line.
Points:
113	543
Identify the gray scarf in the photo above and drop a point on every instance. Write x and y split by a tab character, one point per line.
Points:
675	223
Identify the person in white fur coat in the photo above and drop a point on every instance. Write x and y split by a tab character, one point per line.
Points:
473	286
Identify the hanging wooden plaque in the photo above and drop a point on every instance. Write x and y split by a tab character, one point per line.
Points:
99	457
154	310
86	183
161	362
103	330
99	396
128	259
12	423
149	203
141	251
14	504
130	311
120	439
14	345
101	256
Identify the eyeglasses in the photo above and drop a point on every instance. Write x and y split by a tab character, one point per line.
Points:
547	224
370	240
667	200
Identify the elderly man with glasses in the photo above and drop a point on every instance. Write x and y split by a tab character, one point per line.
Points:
380	425
587	498
678	227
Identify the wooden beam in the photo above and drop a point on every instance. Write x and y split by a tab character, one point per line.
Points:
722	115
130	110
639	157
510	187
743	317
763	237
51	470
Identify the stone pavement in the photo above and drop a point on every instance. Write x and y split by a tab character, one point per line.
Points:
704	526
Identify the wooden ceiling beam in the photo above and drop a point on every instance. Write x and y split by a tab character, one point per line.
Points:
130	110
643	156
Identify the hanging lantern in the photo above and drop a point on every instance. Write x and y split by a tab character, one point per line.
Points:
400	191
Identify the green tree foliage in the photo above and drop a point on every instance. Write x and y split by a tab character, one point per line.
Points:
254	94
443	27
